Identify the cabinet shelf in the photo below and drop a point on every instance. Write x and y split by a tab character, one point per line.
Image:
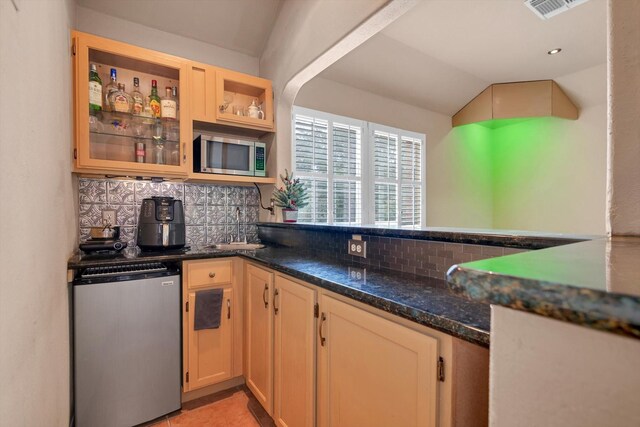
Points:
134	127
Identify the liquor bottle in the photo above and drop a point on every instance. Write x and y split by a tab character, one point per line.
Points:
154	99
138	98
95	91
109	89
168	105
120	101
174	93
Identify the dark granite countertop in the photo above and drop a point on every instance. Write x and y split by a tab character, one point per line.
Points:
505	238
594	283
424	300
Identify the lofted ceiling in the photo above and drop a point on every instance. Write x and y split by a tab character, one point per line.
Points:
442	53
243	26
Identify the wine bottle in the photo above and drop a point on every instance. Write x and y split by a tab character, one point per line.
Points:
95	91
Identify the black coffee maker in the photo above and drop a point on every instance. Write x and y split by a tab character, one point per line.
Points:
161	224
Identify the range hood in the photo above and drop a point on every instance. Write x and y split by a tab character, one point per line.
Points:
541	98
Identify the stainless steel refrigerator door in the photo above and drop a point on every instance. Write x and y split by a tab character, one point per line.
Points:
127	351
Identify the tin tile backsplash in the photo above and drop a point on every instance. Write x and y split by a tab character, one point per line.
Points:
210	209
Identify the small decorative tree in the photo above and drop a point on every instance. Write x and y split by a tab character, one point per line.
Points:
291	196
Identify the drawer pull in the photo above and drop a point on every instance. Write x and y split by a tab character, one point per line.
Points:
212	274
228	309
264	295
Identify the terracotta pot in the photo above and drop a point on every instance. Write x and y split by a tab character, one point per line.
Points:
289	215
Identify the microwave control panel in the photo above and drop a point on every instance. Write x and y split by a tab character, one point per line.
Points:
260	160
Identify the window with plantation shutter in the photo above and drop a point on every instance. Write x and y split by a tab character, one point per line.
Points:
358	172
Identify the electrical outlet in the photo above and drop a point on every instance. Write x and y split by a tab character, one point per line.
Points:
109	216
358	248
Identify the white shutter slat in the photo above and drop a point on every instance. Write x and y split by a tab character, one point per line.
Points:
410	206
385	152
318	208
347	146
312	142
385	204
347	202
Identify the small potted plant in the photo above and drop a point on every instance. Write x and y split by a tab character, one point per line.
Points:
291	196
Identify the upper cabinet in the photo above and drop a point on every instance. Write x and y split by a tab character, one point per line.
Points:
129	117
136	110
203	92
243	100
542	98
230	98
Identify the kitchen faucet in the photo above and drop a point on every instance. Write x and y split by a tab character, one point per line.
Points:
238	229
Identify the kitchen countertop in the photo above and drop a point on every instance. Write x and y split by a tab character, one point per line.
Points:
505	238
593	283
424	300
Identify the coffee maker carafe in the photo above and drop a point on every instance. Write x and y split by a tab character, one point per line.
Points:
161	224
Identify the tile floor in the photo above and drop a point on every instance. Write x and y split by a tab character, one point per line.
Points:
231	408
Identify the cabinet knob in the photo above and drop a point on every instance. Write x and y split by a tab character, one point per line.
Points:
212	274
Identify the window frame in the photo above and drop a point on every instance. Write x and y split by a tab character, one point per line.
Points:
367	177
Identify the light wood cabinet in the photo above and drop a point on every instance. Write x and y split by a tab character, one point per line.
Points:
541	98
211	356
373	372
203	92
124	144
110	142
210	350
294	353
259	335
235	92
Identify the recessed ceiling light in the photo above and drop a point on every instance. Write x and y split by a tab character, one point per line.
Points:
554	51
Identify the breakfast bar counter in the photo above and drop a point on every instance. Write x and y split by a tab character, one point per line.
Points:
593	283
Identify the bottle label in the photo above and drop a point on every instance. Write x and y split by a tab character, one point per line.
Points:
95	93
155	107
168	109
120	103
138	105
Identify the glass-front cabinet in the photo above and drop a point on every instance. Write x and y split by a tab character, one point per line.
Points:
128	112
244	100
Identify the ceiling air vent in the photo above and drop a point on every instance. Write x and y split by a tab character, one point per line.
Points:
546	9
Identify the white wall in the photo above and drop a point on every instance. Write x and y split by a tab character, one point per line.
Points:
37	219
458	183
555	374
90	21
550	174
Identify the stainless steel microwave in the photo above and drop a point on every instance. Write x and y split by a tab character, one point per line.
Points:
228	155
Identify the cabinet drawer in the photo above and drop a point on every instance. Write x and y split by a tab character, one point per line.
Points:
207	273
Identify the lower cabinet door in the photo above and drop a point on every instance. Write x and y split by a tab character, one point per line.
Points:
294	354
210	351
259	335
373	372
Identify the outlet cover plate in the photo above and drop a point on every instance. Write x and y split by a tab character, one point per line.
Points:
110	216
358	248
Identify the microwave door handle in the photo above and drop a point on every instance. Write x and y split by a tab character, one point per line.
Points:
252	159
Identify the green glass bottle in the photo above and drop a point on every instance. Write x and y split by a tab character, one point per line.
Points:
95	91
154	100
